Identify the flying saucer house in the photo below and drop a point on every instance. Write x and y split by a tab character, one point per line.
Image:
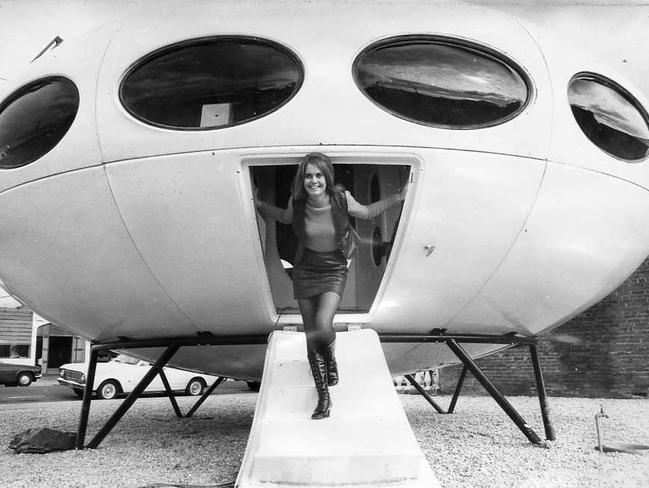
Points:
129	158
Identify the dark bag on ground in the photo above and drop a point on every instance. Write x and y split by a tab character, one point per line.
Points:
42	440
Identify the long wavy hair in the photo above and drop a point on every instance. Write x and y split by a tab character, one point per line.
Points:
323	163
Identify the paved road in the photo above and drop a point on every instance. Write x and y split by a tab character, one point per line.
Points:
48	390
43	390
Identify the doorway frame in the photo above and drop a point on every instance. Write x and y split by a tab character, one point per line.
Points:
339	156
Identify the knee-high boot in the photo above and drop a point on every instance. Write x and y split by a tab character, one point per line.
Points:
332	366
319	370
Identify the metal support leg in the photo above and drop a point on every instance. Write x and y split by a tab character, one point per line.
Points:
494	392
424	393
543	399
458	389
207	393
134	395
170	393
85	403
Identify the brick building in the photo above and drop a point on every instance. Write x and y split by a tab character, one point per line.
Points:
604	352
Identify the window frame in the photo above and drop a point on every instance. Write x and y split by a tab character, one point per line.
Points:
141	61
18	93
455	42
620	90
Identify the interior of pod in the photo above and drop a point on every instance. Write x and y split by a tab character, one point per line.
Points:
368	182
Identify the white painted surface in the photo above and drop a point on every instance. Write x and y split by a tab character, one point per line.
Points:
116	231
579	243
366	442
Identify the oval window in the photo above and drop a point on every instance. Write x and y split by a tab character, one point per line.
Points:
441	82
609	116
34	119
211	83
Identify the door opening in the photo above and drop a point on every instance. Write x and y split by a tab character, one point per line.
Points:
367	183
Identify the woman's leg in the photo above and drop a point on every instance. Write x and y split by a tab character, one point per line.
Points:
327	307
317	315
308	308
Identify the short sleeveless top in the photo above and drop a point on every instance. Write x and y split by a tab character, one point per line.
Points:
321	229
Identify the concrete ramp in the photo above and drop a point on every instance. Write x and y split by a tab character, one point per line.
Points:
366	442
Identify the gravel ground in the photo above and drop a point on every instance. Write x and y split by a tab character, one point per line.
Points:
478	446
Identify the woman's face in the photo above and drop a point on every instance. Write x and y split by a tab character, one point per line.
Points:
314	181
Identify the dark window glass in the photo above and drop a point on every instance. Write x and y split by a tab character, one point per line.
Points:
609	116
378	246
34	119
441	82
211	83
375	189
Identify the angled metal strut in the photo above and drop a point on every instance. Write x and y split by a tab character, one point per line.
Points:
134	395
172	345
453	342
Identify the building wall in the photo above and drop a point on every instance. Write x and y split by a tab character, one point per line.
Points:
15	332
604	352
26	338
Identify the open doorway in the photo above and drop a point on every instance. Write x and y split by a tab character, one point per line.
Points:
368	183
56	346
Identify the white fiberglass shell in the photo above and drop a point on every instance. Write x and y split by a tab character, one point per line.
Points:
127	229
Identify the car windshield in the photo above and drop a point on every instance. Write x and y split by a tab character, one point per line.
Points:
123	358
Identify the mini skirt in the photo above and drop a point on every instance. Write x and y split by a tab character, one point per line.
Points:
318	272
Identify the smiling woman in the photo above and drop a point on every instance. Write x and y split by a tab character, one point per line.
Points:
368	182
320	214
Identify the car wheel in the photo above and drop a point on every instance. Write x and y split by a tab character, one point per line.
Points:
254	385
108	390
24	379
78	392
195	387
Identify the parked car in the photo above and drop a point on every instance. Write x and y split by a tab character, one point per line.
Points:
121	374
18	374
